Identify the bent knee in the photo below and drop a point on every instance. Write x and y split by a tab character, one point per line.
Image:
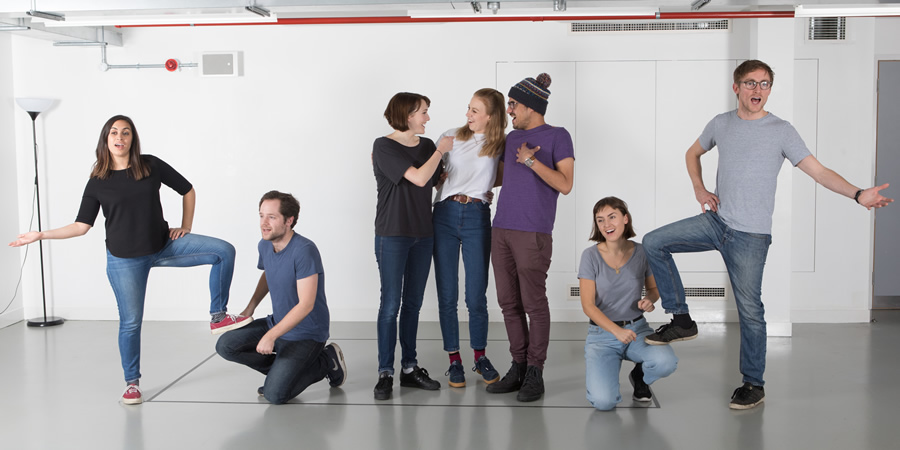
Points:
602	404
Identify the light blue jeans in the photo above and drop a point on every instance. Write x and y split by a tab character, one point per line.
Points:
128	277
603	355
745	257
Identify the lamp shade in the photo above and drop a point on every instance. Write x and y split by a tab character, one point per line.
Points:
35	105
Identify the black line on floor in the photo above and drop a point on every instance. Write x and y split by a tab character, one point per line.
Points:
181	377
418	405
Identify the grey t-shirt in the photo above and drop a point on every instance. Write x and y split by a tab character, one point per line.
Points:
751	153
617	293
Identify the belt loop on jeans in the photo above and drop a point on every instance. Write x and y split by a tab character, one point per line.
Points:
621	323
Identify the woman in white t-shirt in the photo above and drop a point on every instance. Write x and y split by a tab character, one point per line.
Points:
612	276
462	219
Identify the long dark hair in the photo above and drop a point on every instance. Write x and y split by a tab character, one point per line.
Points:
137	168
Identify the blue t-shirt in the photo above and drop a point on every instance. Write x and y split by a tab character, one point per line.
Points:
298	260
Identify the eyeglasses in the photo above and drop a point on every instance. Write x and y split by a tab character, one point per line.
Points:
512	104
764	85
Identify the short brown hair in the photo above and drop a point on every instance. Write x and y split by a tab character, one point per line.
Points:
401	106
614	203
289	207
752	65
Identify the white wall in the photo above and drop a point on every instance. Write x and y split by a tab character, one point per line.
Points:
10	297
839	288
302	119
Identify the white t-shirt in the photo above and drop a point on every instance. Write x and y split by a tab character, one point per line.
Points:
467	173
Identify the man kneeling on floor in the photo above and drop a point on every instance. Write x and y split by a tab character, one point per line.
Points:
288	346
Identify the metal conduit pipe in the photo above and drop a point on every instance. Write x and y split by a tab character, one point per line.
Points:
104	66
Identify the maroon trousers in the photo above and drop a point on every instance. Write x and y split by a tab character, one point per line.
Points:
521	260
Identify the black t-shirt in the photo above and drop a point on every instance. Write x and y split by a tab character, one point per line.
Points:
134	218
404	209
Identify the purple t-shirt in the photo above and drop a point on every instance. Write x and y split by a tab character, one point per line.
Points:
526	202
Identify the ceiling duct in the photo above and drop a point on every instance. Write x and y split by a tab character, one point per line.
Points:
607	27
827	29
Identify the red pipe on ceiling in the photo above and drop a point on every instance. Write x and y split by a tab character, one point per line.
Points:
537	18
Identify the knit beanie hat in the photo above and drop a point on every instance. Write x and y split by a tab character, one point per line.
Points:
532	93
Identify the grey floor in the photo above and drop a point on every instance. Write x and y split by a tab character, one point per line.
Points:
828	387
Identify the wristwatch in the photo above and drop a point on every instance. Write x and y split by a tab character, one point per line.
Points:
856	197
530	162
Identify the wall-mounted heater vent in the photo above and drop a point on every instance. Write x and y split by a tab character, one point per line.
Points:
827	29
606	27
574	292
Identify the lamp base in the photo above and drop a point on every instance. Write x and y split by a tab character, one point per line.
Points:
46	322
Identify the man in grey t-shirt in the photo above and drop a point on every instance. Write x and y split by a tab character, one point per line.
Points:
737	219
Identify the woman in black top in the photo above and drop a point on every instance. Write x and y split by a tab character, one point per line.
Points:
406	169
126	185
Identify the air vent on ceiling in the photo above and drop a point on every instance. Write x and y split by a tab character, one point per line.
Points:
606	27
827	29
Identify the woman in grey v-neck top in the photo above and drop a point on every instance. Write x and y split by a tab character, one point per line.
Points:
611	298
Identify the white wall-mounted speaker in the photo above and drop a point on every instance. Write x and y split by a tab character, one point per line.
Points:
220	64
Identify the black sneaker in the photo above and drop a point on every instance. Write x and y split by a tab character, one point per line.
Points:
533	385
259	391
641	390
671	333
510	382
484	367
419	378
457	375
337	368
384	387
747	396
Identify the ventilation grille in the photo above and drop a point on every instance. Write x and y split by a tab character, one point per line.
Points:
827	29
605	27
704	292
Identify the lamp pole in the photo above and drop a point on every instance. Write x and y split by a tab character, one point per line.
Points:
34	108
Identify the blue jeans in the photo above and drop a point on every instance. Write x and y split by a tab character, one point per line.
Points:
603	355
745	257
295	366
128	277
469	226
403	266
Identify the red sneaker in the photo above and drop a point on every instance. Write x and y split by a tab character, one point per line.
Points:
230	322
132	395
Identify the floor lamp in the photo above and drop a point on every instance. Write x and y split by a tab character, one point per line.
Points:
35	106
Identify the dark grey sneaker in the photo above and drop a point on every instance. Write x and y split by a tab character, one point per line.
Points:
747	396
337	368
259	391
510	382
484	367
419	378
533	385
671	333
384	387
457	375
641	390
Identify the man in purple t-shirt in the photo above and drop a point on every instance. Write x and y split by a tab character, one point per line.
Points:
541	166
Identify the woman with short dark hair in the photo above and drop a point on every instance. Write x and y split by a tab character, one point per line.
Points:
406	168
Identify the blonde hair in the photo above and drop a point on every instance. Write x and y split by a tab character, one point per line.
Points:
495	136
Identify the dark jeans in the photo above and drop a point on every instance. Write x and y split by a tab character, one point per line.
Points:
403	266
521	260
294	367
469	227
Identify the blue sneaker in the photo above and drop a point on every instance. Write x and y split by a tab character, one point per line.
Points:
487	370
457	375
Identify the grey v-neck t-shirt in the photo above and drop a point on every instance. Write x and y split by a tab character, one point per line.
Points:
617	293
